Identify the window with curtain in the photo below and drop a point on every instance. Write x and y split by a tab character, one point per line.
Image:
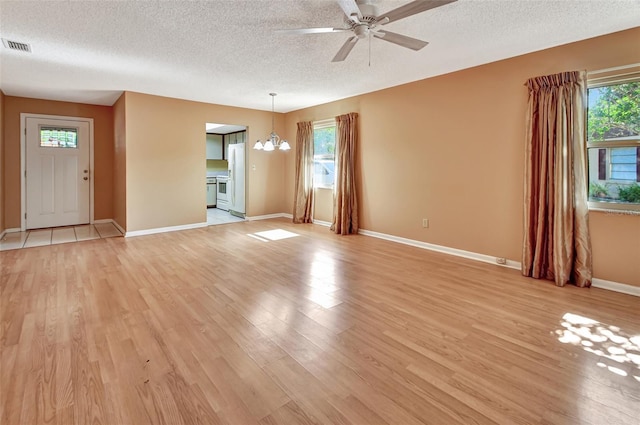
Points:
613	142
324	150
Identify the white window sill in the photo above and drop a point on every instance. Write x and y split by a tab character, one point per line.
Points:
612	211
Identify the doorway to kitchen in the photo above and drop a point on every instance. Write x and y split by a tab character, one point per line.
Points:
225	179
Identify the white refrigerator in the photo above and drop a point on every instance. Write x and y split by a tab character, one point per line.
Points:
236	179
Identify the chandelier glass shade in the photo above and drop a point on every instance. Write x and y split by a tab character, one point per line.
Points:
274	141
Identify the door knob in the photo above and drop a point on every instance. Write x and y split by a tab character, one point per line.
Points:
86	171
85	178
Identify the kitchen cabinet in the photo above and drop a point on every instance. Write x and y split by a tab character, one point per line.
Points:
211	193
218	144
232	139
215	146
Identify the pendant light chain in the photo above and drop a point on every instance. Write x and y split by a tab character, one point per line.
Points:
273	126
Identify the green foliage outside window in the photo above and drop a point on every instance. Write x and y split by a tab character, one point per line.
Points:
615	112
630	193
324	141
597	190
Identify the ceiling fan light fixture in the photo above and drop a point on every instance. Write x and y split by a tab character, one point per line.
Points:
362	19
361	31
274	141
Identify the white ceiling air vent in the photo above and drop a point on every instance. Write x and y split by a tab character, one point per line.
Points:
16	45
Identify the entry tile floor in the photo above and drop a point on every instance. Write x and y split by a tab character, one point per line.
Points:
57	235
217	216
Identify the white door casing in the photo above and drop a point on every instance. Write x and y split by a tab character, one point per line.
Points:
57	187
236	177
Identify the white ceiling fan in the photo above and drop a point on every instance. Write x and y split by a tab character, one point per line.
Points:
362	18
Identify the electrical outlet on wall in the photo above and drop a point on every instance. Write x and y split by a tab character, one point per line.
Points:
501	260
425	223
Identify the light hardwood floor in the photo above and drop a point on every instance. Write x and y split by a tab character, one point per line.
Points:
213	326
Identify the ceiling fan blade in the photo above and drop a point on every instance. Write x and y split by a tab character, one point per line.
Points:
345	49
311	30
400	40
350	8
412	8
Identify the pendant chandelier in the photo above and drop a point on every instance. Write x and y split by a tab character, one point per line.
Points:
274	140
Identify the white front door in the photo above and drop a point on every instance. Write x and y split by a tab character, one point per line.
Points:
57	172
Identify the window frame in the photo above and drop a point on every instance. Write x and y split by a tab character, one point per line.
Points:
326	123
614	76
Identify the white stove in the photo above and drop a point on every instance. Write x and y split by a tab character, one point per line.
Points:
222	201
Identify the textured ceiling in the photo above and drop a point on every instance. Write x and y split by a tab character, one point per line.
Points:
227	52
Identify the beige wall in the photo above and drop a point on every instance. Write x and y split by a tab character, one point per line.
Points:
103	151
616	246
450	149
166	167
120	163
2	226
323	205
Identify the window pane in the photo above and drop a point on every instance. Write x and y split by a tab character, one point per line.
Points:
324	141
59	137
323	174
324	146
614	112
613	174
613	129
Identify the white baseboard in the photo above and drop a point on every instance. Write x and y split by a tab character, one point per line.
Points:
595	282
443	249
615	286
10	230
268	216
322	223
164	229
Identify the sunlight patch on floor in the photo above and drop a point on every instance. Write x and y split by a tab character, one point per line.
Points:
273	235
619	352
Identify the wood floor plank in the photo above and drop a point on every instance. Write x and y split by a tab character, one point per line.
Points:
8	357
290	413
309	397
228	388
13	388
212	326
356	412
261	350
